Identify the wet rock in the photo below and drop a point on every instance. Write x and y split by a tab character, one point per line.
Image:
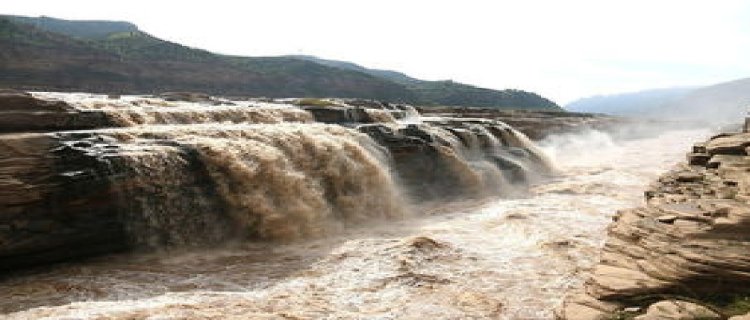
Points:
425	170
73	195
429	158
21	112
186	96
348	111
337	114
50	213
678	310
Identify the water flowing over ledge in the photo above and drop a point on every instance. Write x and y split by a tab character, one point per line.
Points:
155	173
493	258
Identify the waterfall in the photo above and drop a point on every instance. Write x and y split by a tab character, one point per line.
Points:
197	173
282	181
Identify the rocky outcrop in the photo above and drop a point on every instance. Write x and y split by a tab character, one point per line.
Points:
21	112
54	202
691	239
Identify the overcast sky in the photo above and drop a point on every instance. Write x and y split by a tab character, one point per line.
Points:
561	49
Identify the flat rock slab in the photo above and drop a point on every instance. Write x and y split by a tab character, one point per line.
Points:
678	310
730	144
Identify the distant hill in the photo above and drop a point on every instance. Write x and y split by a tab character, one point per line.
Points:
718	103
394	76
644	103
727	101
116	57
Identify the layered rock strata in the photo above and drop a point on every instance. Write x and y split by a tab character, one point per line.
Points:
690	240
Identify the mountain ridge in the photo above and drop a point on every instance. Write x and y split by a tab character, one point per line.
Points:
54	54
628	103
722	102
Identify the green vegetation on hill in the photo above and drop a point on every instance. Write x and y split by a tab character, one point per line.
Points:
106	56
135	62
450	92
138	45
81	29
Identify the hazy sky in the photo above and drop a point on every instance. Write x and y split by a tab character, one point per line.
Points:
561	49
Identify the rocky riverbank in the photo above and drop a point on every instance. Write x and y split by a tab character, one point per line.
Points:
686	253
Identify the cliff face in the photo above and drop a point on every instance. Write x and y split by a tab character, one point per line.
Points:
691	240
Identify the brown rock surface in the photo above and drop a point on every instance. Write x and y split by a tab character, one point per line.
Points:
51	202
21	112
678	310
692	238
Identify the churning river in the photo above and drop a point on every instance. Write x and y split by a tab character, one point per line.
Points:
495	258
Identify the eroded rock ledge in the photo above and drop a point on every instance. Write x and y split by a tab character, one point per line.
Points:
691	240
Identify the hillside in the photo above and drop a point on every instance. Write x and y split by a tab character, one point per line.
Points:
448	92
645	102
136	62
82	29
116	57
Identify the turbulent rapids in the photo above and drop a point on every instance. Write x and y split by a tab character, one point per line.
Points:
281	209
164	172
